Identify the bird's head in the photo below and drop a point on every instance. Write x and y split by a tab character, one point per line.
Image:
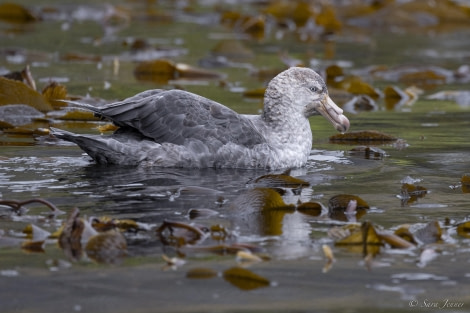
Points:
305	92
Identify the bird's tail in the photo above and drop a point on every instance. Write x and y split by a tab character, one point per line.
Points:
103	149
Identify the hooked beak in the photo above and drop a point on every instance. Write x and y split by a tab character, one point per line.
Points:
334	114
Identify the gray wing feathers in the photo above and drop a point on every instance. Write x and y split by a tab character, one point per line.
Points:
113	110
177	116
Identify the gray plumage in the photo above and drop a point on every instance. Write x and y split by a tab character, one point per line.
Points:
175	128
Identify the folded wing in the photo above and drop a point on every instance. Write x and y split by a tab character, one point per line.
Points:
178	117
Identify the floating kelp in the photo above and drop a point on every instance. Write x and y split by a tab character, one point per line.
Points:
409	16
162	71
25	132
219	233
278	180
190	237
231	18
410	193
107	247
245	279
396	97
158	70
36	239
338	206
5	125
465	181
23	76
71	235
303	14
35	233
16	95
394	241
254	26
298	11
302	236
16	92
16	13
394	92
179	234
419	235
54	92
405	233
333	73
368	238
363	136
254	93
361	238
32	246
79	237
310	208
214	239
463	229
424	77
327	18
105	223
18	206
360	103
357	86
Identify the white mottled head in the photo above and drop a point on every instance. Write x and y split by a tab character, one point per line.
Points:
301	91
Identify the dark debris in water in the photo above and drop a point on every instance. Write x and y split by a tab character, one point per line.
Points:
19	206
106	240
368	152
411	193
363	136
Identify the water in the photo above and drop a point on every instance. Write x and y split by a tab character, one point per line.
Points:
433	152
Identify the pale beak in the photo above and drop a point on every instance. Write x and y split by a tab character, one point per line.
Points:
334	114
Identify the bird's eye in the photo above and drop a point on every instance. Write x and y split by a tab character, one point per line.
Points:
313	89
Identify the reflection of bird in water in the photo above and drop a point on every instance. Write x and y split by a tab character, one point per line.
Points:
261	210
175	128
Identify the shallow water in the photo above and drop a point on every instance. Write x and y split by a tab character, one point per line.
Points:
433	151
66	177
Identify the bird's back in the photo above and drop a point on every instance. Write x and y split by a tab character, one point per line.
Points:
177	117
